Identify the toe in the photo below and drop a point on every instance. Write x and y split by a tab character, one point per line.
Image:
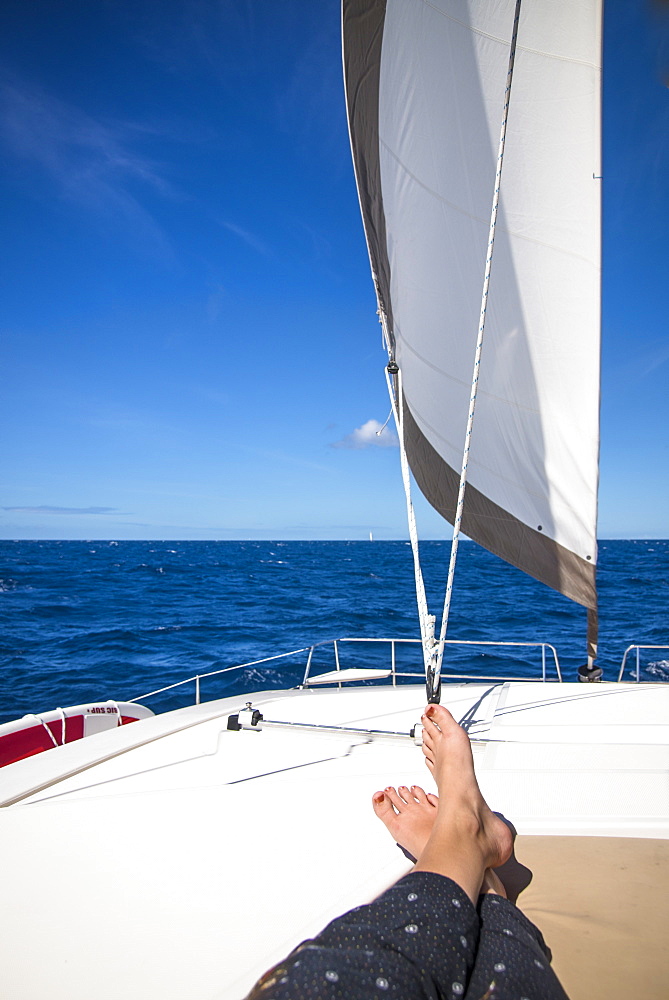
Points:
439	716
423	797
383	807
396	799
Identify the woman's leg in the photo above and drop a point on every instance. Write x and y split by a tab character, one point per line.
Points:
467	838
419	939
512	960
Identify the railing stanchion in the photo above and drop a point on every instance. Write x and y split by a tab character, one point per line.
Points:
308	668
197	689
636	670
336	652
392	660
622	665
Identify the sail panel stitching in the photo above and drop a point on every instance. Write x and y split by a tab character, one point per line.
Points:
496	38
515	234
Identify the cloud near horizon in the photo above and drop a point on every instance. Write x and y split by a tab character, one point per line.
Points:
371	434
64	510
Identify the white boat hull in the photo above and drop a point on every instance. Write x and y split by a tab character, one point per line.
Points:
182	858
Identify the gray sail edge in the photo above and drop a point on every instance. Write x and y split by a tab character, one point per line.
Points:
498	531
362	36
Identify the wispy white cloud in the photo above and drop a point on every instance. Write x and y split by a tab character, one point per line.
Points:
283	458
655	357
223	39
371	434
643	363
46	509
248	238
90	162
314	87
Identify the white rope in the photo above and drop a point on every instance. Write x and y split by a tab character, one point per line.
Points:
62	734
31	715
110	701
477	360
382	429
426	620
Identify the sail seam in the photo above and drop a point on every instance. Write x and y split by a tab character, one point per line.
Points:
552	562
516	234
481	465
461	382
503	41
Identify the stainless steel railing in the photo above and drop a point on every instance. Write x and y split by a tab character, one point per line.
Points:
637	669
548	652
544	646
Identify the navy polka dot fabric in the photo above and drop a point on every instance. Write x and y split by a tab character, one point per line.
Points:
421	939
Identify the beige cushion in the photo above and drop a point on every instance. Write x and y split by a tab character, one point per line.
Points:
602	904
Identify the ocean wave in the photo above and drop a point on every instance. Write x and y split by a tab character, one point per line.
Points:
659	670
144	614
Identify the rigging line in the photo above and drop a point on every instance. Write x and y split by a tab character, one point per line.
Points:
425	619
434	672
382	429
42	723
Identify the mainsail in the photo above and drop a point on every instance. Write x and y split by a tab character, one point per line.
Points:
425	84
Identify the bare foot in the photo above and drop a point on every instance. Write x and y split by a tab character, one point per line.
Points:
465	825
408	814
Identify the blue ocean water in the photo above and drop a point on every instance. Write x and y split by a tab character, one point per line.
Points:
82	621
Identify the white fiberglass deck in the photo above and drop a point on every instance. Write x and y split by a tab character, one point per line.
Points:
182	858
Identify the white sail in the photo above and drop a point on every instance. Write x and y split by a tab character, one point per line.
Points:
425	90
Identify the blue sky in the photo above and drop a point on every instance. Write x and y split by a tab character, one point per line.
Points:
189	340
